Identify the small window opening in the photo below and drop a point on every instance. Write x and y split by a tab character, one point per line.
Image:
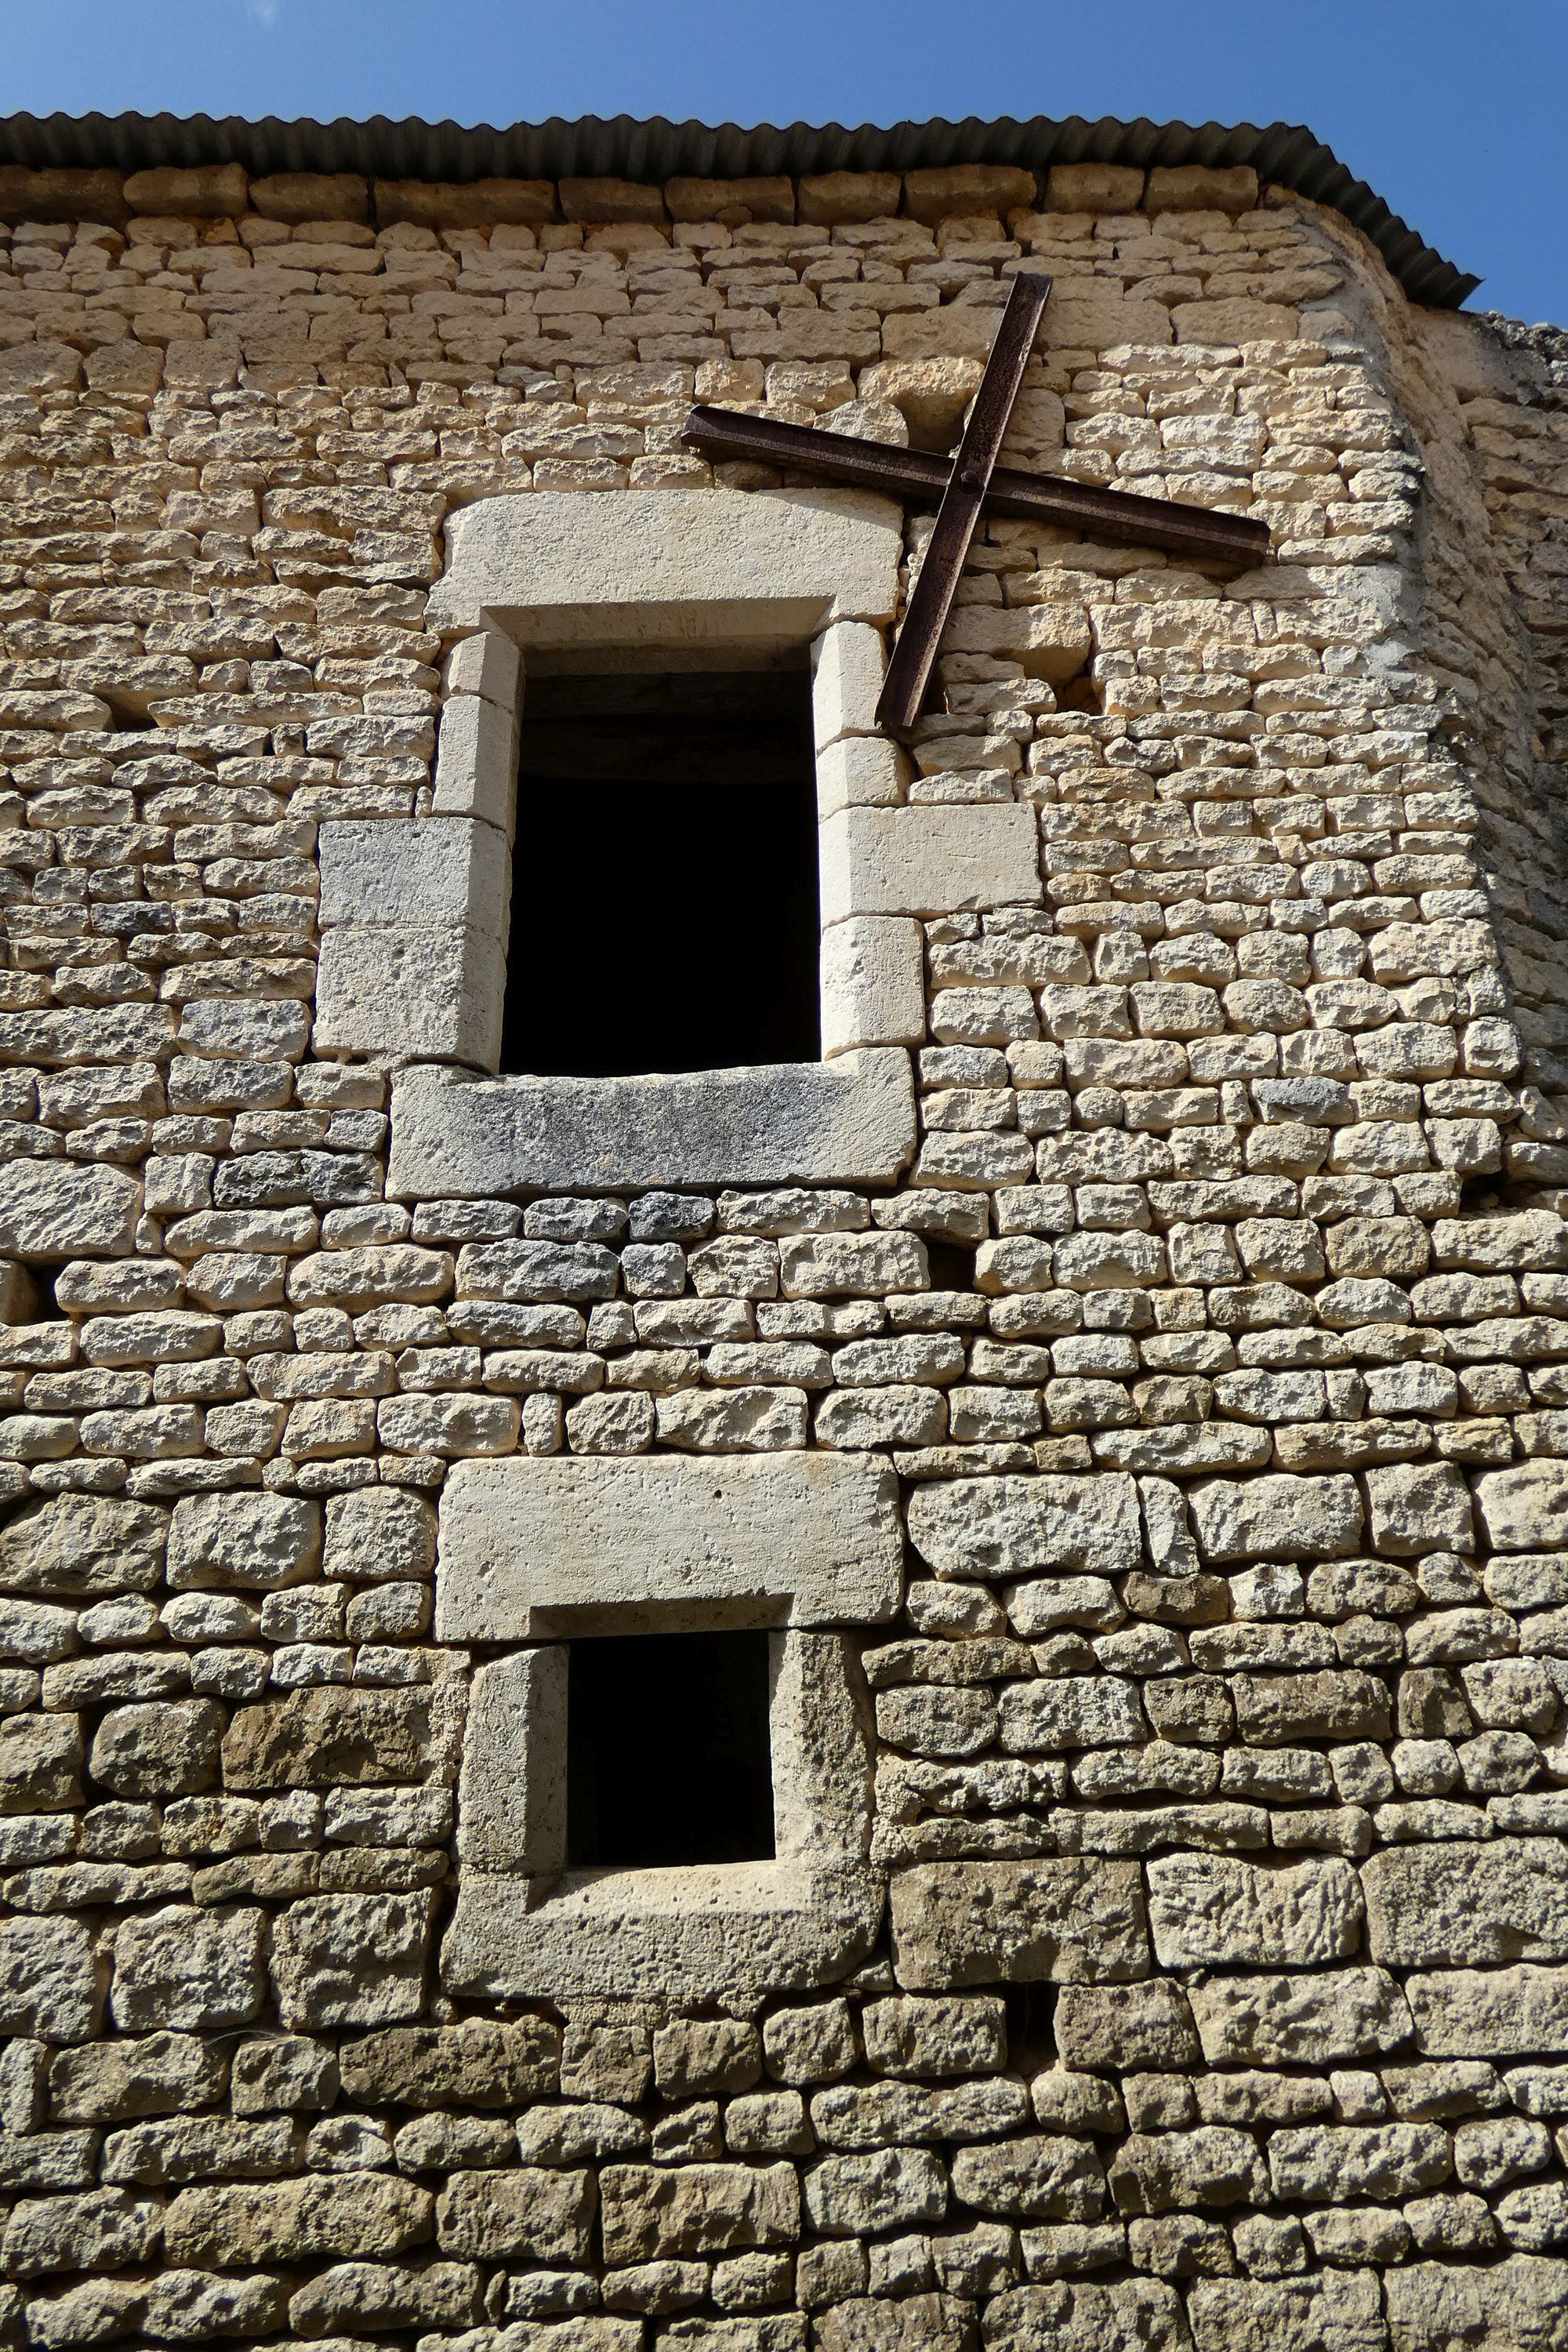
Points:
44	1274
951	1265
666	1752
664	881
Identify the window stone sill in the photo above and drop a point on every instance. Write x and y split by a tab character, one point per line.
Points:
847	1121
728	1932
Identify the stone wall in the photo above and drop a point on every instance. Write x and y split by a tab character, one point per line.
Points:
1221	1777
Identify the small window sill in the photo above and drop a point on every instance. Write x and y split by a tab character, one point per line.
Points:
850	1120
728	1932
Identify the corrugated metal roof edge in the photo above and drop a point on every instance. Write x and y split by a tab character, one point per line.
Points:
657	150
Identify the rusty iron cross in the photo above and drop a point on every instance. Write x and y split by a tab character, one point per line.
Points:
964	489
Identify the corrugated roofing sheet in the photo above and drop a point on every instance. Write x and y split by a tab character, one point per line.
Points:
623	148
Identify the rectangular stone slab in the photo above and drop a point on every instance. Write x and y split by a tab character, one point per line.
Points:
567	1543
847	1121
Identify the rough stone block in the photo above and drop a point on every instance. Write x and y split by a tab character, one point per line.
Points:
976	1923
928	861
1419	1507
535	2215
851	2196
1133	2028
40	1763
189	1968
1520	2013
417	989
1335	2311
106	2229
83	1544
1164	2172
248	1542
351	1960
872	983
1276	1518
528	1546
358	2214
1525	1507
1460	1905
1328	2020
1136	2314
52	1981
329	1736
935	2038
701	2209
1210	1909
1016	1526
54	1208
1517	2306
1047	2178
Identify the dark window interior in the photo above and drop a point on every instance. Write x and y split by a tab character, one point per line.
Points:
666	1752
664	882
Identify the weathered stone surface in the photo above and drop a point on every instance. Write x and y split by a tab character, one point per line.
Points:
379	1534
146	2075
169	1748
1052	2177
974	1923
105	2229
1308	2020
542	2216
1524	1508
1017	1526
1520	2013
1210	1909
53	1208
1162	2172
351	1960
703	2208
532	1545
1135	2026
1276	1518
1136	2314
355	2214
850	1120
331	1738
83	1544
189	1968
377	2295
927	861
935	2038
1517	2306
1337	2311
475	2064
40	1763
1331	2163
854	2195
244	1542
1460	1906
52	1981
907	2323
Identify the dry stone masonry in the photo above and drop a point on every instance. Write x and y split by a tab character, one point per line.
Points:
1158	1491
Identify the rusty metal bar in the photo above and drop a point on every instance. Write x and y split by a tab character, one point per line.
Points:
958	516
1122	517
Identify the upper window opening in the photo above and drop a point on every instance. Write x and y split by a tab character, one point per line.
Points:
667	1759
664	897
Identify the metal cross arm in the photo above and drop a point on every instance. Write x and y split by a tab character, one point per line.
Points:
964	489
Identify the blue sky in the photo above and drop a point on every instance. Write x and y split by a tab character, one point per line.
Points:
1453	112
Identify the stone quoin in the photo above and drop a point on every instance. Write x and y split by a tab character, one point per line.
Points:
783	1499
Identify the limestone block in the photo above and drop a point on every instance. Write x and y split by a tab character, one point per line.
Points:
1276	1518
183	2304
1200	188
1322	2161
847	662
132	2076
359	2214
486	664
729	1933
1530	1240
701	2209
1332	2311
814	2045
412	988
68	195
259	1030
848	2196
1136	2314
1517	2306
189	1968
1161	2172
56	1208
1094	318
1054	2179
209	190
872	983
164	1749
973	1922
106	2229
858	772
476	765
351	1960
83	1544
468	204
851	1120
479	2064
311	197
374	2294
1235	320
1458	1905
563	1542
1420	1507
1519	2012
249	1543
1016	1526
1299	2021
670	567
449	1427
368	1277
515	1818
1048	641
1093	188
1524	1508
935	2038
927	860
1071	1711
830	198
1206	1910
329	1736
52	1981
40	1763
441	870
837	1266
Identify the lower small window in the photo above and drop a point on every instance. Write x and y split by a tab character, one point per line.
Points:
668	1758
664	893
